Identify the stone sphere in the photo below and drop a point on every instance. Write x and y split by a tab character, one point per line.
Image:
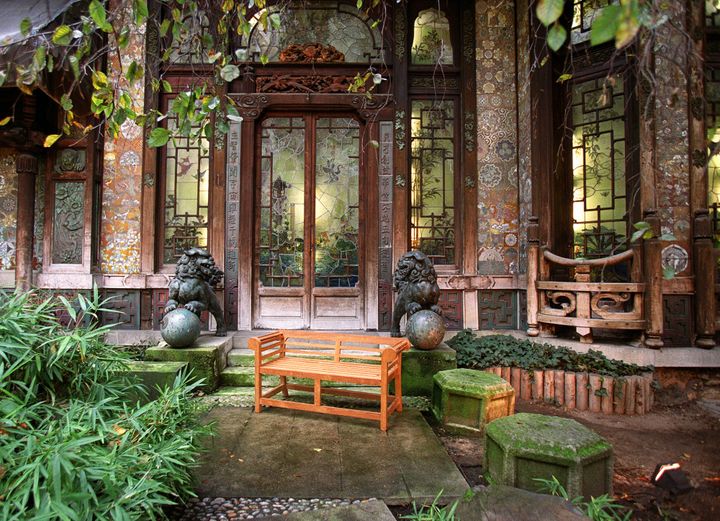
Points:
180	328
425	329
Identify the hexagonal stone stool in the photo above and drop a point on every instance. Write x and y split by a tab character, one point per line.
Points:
465	400
525	446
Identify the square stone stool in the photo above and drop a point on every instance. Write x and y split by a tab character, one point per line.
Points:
465	400
525	446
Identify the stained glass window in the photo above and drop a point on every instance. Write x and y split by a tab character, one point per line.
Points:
432	43
68	222
282	203
187	193
337	170
712	107
598	163
334	24
8	208
432	222
584	12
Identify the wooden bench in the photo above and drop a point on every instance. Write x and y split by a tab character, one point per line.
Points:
330	357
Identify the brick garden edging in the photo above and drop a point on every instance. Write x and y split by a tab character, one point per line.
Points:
626	395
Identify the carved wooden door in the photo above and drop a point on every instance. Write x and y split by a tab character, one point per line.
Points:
308	247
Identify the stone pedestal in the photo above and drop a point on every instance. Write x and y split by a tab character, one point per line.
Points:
525	446
465	400
419	367
153	375
207	358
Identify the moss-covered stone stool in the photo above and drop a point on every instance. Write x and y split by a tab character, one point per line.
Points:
523	447
464	400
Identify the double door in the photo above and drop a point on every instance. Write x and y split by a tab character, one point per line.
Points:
308	229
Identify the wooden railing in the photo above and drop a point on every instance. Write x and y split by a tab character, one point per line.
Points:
584	304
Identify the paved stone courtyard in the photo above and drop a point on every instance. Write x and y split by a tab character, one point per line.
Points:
293	454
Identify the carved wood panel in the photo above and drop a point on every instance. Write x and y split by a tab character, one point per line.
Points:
123	309
677	320
451	303
497	309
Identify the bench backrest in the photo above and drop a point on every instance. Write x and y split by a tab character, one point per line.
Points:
327	346
338	346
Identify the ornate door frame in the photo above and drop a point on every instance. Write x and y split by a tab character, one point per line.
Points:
241	188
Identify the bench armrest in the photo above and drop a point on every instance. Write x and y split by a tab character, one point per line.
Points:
393	352
267	346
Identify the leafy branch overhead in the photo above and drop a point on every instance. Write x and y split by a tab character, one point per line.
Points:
620	21
71	59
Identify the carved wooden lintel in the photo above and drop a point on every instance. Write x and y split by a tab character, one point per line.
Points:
304	83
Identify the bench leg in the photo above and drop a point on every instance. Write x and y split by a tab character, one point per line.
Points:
258	390
318	393
383	409
398	391
283	382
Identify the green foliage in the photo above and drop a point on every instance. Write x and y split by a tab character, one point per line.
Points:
601	508
506	351
98	35
433	512
71	446
620	21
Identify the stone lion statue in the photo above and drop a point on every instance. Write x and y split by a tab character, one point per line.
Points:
416	285
196	276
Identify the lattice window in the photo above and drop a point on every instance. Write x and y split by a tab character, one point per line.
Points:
432	43
282	203
598	163
432	223
186	195
584	12
335	24
337	210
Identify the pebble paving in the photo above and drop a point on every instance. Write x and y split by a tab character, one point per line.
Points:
236	508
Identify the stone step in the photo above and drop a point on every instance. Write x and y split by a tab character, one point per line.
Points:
154	375
241	357
245	397
241	376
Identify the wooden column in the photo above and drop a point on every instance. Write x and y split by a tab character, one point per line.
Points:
401	182
469	156
26	166
532	273
704	265
652	267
